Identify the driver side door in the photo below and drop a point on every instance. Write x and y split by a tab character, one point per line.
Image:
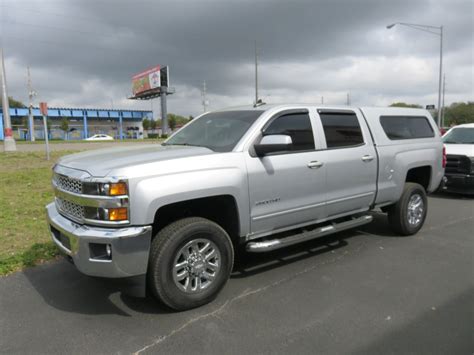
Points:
287	188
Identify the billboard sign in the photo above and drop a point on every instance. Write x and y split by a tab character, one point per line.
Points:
148	80
165	76
43	108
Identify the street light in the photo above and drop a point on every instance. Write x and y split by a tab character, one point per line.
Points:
436	30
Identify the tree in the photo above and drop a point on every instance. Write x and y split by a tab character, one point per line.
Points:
458	113
403	104
14	103
172	122
146	124
64	126
152	125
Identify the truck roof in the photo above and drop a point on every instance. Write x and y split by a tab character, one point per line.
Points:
266	107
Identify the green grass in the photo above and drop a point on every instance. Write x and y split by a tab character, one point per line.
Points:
25	189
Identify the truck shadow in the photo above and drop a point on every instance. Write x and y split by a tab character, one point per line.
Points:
63	287
248	264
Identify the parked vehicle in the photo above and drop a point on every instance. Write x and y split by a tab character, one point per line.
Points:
459	174
261	177
100	137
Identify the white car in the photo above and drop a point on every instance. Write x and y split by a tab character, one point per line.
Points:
459	173
100	137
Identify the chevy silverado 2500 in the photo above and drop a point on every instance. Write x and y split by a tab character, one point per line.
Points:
171	215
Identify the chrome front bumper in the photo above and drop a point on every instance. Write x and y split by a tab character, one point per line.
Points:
130	246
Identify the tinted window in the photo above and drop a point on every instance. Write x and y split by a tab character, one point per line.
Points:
297	126
219	131
341	129
406	127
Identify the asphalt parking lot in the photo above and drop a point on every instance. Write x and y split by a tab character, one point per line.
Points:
365	291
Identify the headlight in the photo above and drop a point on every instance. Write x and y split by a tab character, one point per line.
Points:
117	214
105	188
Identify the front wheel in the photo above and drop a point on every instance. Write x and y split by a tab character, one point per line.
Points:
190	262
408	215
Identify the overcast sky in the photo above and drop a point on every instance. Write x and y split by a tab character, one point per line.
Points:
83	53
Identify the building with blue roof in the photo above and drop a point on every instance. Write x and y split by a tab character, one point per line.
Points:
83	123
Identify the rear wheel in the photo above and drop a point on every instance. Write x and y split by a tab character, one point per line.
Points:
408	215
190	262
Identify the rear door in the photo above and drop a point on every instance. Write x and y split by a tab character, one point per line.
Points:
350	160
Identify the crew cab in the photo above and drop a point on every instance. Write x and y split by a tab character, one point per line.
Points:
171	216
459	174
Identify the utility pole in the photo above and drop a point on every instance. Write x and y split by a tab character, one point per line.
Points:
31	95
256	74
322	100
348	99
203	96
443	111
9	144
164	111
440	72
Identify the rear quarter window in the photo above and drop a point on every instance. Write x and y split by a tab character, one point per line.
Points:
406	127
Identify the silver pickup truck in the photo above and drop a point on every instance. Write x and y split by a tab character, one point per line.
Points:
170	216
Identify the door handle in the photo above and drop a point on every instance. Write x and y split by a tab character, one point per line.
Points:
315	164
367	158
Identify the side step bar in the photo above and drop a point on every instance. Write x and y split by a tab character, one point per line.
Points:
273	244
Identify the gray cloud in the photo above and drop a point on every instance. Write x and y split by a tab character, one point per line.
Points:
84	52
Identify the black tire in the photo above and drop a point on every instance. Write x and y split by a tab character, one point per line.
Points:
398	215
164	251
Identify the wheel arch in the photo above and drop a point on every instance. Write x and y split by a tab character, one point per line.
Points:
221	209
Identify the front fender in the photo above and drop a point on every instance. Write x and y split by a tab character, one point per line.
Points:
152	193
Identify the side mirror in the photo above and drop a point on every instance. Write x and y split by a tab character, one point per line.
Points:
273	143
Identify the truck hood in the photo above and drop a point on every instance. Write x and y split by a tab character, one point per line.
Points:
460	149
102	161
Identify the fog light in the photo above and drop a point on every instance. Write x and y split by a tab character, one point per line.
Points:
118	214
100	252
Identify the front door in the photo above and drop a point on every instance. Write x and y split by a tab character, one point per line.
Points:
287	188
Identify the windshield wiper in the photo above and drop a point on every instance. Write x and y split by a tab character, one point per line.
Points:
451	142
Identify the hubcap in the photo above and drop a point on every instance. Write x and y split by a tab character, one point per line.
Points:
415	209
196	265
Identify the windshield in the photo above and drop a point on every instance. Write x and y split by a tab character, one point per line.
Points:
218	131
461	135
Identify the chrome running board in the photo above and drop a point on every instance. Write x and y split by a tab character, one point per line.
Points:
273	244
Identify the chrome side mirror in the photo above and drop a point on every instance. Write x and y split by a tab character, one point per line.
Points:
273	143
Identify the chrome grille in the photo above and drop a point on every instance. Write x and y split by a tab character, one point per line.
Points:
68	184
70	209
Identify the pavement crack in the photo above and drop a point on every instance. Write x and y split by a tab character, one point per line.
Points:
246	293
185	325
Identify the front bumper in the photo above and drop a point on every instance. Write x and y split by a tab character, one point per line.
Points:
459	183
129	246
